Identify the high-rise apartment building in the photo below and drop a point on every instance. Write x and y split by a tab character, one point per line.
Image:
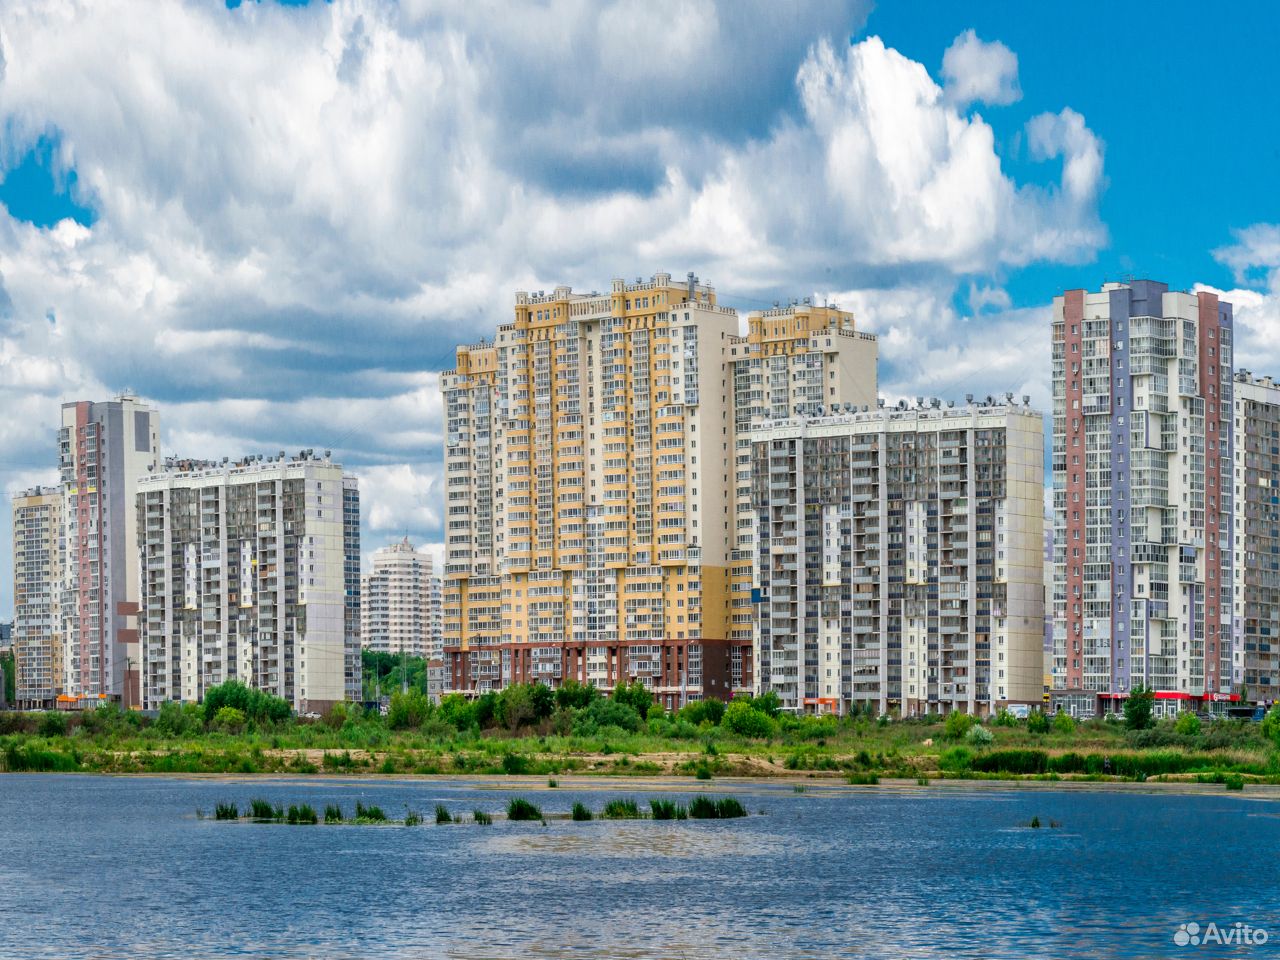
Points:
1142	487
37	586
1256	536
898	559
794	359
250	571
104	448
400	603
592	493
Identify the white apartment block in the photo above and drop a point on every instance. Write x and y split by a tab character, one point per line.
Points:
37	586
250	571
899	558
1143	491
103	449
400	603
1256	536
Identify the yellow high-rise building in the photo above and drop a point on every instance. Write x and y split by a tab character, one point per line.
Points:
593	493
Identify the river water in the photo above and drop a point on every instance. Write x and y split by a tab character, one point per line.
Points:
108	867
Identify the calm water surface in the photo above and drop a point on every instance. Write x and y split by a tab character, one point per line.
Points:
115	867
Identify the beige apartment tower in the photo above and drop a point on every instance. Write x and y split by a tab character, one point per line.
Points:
592	487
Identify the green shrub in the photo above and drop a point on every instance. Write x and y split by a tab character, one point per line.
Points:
580	812
979	735
620	810
668	810
709	711
1037	722
521	809
956	759
230	719
515	763
1063	722
572	695
408	710
1187	724
1012	761
442	814
607	713
1004	718
635	696
53	724
742	718
412	818
33	759
957	725
257	705
1234	781
332	814
863	779
702	771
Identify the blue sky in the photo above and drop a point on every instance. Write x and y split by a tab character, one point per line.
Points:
1181	93
276	221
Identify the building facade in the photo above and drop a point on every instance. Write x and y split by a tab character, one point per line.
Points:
104	448
1256	535
592	491
400	603
898	563
1143	500
37	598
250	571
794	359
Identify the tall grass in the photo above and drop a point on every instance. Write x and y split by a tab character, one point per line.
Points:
726	808
580	812
668	810
521	809
482	818
226	811
263	810
303	813
412	818
370	814
442	814
333	813
620	810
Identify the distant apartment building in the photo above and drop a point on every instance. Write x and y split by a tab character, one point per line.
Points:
103	449
37	586
1143	499
795	359
591	484
250	571
898	559
400	603
1256	535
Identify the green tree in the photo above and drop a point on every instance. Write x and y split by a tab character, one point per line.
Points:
408	710
1064	722
515	705
610	713
574	695
457	711
634	695
1139	709
742	717
544	701
1271	725
230	719
1037	722
709	710
768	703
1187	724
10	670
257	705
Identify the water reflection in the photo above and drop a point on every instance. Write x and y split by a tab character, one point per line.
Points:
118	867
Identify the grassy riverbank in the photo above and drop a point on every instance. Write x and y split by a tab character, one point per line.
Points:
606	736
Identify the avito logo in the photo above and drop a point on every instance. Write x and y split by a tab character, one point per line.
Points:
1236	934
